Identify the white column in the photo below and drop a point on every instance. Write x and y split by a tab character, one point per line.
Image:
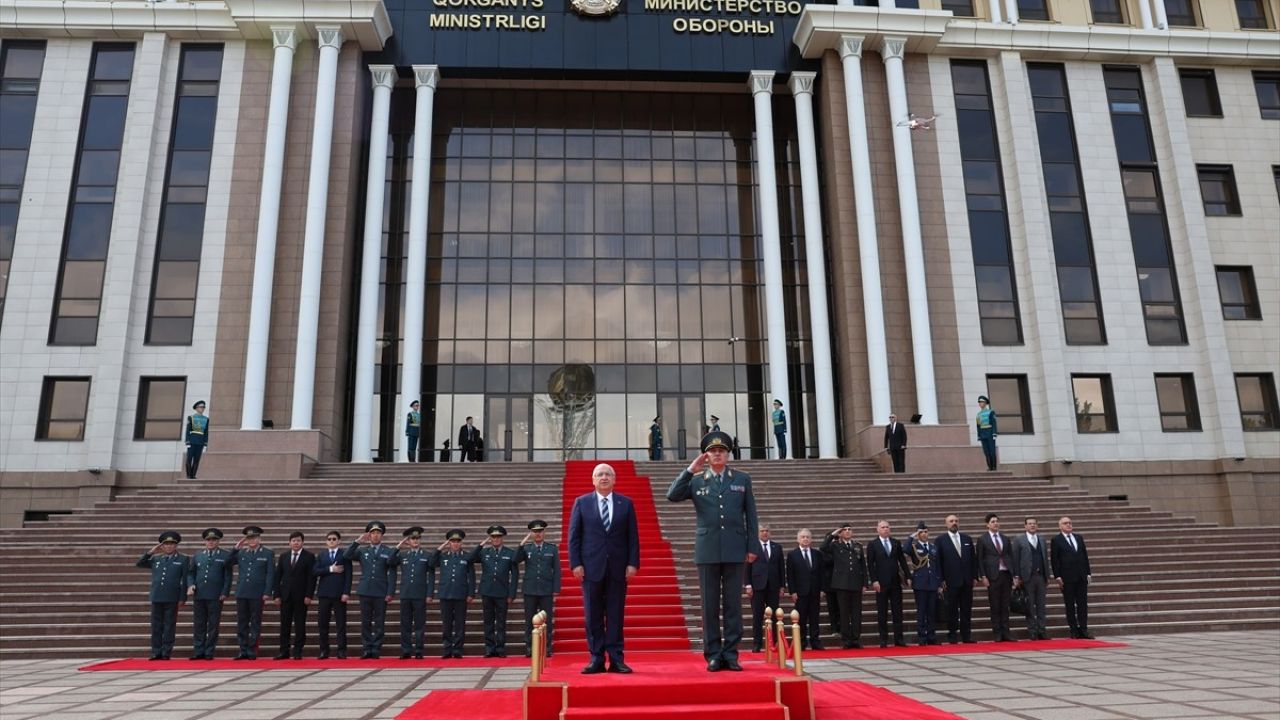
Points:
994	7
823	387
304	359
1162	17
264	262
1012	11
1144	12
761	84
384	77
913	248
425	78
868	247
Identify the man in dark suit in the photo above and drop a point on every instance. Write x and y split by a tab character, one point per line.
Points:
1070	562
764	583
887	567
333	589
895	441
804	585
604	553
295	586
958	561
1031	571
848	565
468	440
995	559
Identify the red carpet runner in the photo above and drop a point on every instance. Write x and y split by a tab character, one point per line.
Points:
654	619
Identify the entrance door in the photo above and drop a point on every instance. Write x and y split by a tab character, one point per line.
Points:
508	428
682	421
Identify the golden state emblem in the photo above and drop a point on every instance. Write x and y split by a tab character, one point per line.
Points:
597	8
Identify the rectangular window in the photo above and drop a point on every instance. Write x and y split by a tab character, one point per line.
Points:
959	8
176	270
1257	396
21	63
1095	407
1218	189
1267	87
78	297
988	214
64	405
1252	14
1200	92
1181	13
161	403
1176	396
1238	293
1009	395
1033	10
1107	12
1068	213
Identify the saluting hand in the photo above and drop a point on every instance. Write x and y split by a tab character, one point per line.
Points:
155	549
527	537
699	461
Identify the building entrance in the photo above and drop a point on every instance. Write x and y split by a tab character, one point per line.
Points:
508	428
683	418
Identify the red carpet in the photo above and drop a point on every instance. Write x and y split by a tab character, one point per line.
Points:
184	665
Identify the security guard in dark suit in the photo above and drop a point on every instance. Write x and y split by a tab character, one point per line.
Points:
416	584
253	588
499	575
168	590
456	589
209	584
377	586
727	523
541	581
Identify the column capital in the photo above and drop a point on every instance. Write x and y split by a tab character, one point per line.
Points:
761	81
426	76
850	45
285	36
384	76
330	36
801	82
893	47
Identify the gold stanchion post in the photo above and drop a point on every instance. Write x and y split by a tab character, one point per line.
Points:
781	632
768	634
539	659
795	641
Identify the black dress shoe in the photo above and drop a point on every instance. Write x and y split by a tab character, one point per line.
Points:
714	665
1087	636
756	648
281	656
619	667
405	656
297	657
899	643
528	653
857	644
970	642
596	667
417	656
196	657
323	656
489	653
818	646
732	665
500	653
446	656
342	654
242	656
366	656
548	653
457	655
884	644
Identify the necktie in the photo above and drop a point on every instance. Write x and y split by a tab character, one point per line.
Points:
956	540
766	552
604	513
1071	539
807	561
999	545
333	556
885	542
294	561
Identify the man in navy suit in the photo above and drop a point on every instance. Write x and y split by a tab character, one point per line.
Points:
1070	563
887	568
604	552
959	565
333	590
764	584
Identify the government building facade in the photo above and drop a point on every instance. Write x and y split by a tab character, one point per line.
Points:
567	218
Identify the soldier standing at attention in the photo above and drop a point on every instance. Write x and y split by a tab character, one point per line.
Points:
499	575
209	584
726	509
256	578
412	430
655	439
168	590
333	590
197	439
541	581
779	419
456	589
985	421
415	587
377	586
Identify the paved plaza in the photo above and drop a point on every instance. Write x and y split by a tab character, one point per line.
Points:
1185	676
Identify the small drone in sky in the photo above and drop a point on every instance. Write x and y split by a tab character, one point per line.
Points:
918	123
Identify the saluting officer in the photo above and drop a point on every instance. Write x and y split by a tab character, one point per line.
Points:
253	588
377	586
499	575
847	562
456	589
168	590
209	584
416	584
541	580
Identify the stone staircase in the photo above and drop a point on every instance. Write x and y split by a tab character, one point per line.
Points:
70	590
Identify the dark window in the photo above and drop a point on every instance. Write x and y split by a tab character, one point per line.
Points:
1176	396
1107	11
20	66
1095	407
1253	14
64	404
1257	396
1009	394
1200	93
1267	86
1180	13
161	403
1033	10
1218	189
1238	293
959	8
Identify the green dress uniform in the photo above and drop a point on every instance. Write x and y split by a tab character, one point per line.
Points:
210	574
416	585
256	577
779	420
499	576
846	563
655	441
456	584
541	584
985	422
168	590
412	432
377	583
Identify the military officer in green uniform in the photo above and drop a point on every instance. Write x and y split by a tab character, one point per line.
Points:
847	562
256	577
499	575
413	430
197	439
655	439
416	581
726	511
168	590
377	586
541	580
209	584
455	589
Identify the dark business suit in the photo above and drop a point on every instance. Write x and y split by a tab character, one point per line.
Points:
604	555
997	567
1071	566
1031	568
959	571
889	568
766	576
804	580
295	584
330	588
468	441
895	440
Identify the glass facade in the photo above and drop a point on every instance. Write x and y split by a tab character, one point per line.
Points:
593	262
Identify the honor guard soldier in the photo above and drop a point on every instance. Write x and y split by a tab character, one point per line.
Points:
456	589
197	439
413	430
416	585
377	586
655	439
209	584
541	581
254	582
499	575
333	590
168	590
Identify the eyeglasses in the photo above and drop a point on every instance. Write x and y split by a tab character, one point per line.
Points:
331	539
